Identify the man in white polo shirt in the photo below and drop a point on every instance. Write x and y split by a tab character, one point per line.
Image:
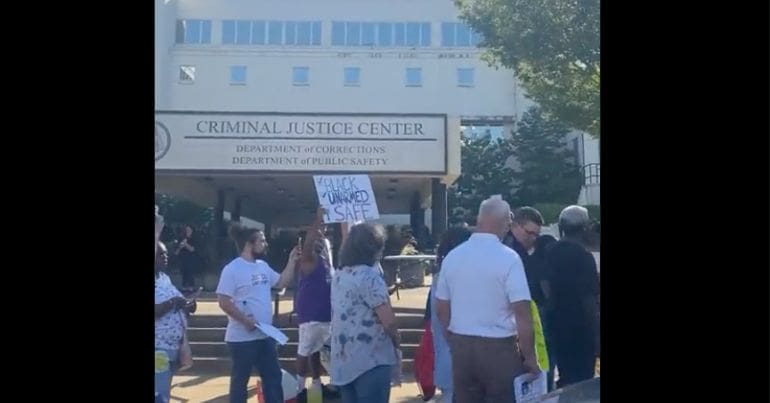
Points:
483	302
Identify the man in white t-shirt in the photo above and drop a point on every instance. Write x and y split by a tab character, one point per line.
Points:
244	294
483	304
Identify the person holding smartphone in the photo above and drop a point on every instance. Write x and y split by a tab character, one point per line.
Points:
244	294
170	324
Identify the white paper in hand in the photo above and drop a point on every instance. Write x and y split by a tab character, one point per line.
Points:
526	390
273	332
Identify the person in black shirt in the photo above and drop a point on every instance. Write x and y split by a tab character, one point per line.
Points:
573	288
538	275
188	258
525	230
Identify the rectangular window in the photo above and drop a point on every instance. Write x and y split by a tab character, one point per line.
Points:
238	75
242	32
400	34
412	34
353	34
414	77
316	33
338	33
367	34
258	36
385	34
303	33
193	31
180	31
291	33
455	34
275	33
228	32
465	77
447	34
187	74
463	35
425	34
352	76
301	76
206	32
476	38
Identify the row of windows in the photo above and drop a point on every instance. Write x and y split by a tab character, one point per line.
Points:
308	33
351	76
413	34
242	32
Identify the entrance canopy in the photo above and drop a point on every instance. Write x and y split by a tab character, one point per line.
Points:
260	165
286	199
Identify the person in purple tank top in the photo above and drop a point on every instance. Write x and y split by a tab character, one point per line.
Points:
313	300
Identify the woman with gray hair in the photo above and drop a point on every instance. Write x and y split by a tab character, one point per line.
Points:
363	329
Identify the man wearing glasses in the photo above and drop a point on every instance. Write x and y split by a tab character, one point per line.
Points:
525	228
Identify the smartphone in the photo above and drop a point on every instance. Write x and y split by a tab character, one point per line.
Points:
195	295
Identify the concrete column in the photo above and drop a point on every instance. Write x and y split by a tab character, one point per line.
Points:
438	208
235	215
416	213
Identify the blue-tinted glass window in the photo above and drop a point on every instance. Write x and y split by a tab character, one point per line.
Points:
180	31
463	35
400	34
243	32
237	74
206	31
316	33
412	34
352	76
425	34
385	34
228	32
465	77
476	38
291	33
275	33
367	34
192	32
414	77
447	34
338	33
353	34
258	32
303	33
301	76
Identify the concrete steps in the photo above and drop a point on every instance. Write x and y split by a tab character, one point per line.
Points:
223	366
206	333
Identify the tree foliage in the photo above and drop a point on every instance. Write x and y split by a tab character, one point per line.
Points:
553	48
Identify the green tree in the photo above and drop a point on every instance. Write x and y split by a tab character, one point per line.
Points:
553	48
547	171
484	173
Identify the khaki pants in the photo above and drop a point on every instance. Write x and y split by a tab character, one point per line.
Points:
483	368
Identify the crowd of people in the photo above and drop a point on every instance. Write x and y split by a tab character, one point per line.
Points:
480	307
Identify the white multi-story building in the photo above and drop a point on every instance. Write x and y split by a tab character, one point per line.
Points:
254	97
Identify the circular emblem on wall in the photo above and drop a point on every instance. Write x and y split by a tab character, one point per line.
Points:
162	140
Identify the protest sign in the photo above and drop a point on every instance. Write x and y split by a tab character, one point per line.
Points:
346	198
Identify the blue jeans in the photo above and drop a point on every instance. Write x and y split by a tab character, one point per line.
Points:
373	386
447	395
263	355
166	363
